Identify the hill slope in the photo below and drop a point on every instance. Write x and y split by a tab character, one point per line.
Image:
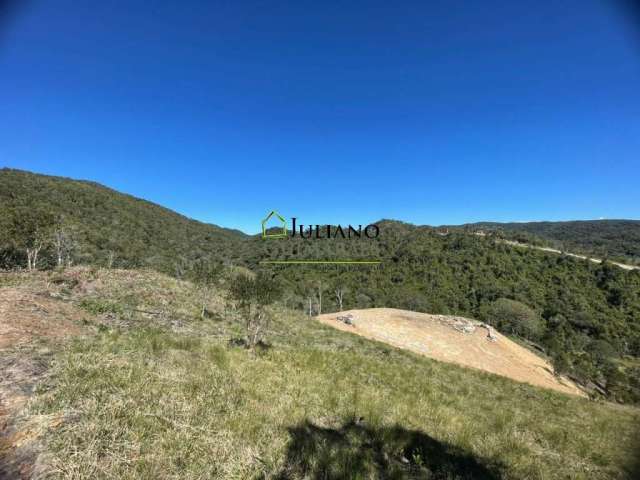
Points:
615	239
107	223
143	395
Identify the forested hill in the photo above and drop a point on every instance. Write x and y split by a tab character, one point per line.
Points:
614	239
107	226
585	316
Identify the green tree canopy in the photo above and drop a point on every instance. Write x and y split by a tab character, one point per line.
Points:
515	317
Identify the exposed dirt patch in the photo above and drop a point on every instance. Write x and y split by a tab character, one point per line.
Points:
27	317
453	339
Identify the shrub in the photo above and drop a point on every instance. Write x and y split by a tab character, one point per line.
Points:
252	295
100	306
516	318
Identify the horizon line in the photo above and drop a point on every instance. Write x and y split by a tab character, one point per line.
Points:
250	232
321	262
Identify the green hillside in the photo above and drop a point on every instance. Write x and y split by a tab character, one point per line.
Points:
614	239
107	226
585	316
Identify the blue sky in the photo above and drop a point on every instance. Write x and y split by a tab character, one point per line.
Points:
334	112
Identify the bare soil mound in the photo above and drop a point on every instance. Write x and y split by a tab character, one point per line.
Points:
451	339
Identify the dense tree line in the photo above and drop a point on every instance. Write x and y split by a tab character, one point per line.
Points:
613	239
101	226
585	316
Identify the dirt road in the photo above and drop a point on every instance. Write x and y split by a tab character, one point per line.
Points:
575	255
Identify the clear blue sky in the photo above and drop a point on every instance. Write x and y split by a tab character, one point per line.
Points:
351	111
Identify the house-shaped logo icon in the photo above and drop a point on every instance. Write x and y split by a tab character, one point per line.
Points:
282	227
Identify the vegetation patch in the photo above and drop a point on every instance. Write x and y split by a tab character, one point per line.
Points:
150	402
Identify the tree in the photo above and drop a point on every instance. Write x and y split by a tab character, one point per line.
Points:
205	275
179	267
64	244
30	231
340	290
319	296
111	258
515	318
253	295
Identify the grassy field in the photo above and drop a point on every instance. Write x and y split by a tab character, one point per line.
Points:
166	395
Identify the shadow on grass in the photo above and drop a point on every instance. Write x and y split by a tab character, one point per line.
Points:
356	450
634	468
242	342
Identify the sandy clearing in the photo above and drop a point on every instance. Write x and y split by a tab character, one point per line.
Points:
435	337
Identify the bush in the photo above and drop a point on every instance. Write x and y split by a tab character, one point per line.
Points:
516	318
98	306
252	294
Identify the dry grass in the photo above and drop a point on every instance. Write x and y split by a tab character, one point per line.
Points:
147	400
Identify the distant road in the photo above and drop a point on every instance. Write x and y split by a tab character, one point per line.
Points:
553	250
